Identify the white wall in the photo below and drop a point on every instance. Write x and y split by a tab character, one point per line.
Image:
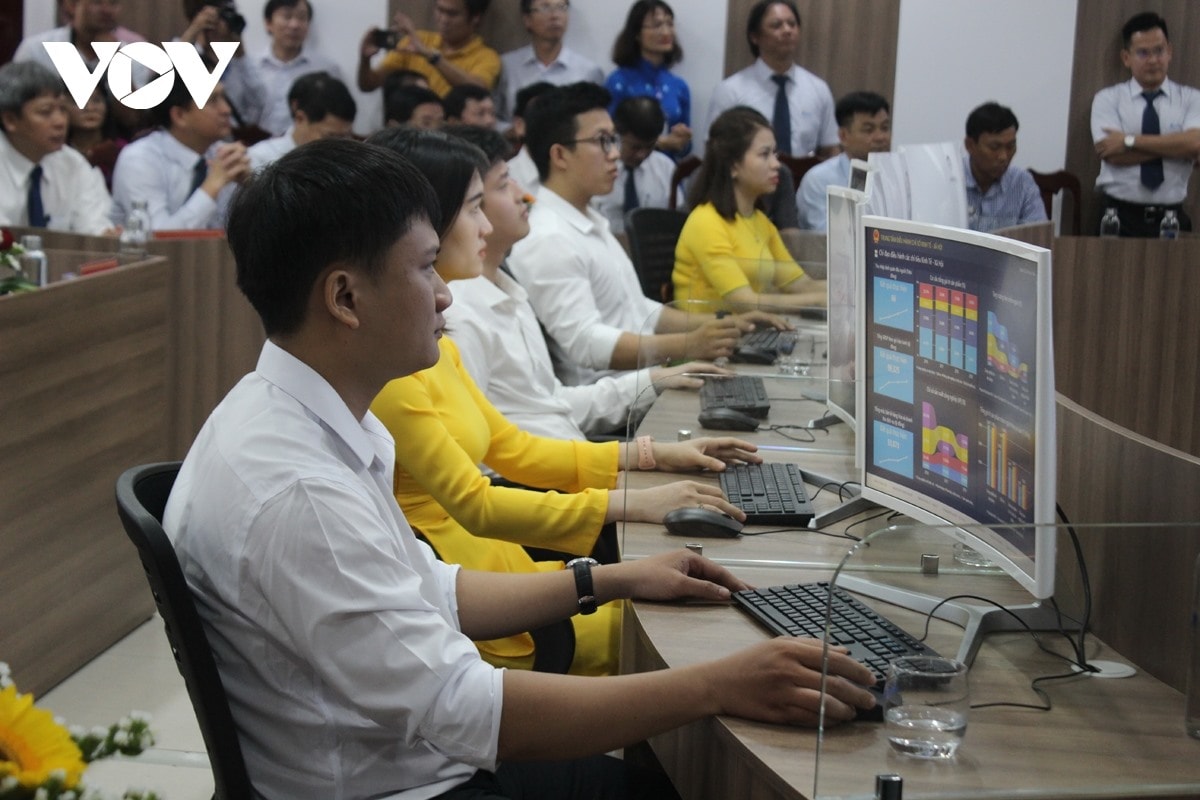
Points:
956	54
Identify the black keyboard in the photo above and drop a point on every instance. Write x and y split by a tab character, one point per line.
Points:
745	393
799	610
761	346
770	494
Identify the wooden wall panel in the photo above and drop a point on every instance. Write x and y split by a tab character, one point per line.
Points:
851	43
1098	64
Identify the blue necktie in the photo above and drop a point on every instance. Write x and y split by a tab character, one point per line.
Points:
1152	171
37	212
199	173
631	198
782	119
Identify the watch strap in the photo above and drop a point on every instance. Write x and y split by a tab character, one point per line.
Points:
584	587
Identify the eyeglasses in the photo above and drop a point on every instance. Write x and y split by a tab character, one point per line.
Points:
1144	53
550	8
608	142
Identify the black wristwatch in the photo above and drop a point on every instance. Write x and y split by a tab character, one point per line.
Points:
582	568
434	57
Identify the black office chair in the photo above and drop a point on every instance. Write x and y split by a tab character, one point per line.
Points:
141	498
652	234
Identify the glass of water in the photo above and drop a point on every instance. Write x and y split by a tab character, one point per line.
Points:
925	704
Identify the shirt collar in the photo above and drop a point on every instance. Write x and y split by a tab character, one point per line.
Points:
764	73
552	201
269	57
15	162
301	382
1135	88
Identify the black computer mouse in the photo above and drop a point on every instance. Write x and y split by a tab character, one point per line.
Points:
752	355
701	522
727	419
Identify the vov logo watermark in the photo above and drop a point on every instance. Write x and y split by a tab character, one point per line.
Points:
117	59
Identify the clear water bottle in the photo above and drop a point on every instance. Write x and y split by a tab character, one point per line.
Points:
1169	227
33	260
1110	223
136	232
1191	714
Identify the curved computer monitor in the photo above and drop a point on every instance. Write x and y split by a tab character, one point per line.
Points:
955	402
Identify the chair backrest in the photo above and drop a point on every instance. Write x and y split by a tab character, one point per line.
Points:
798	165
652	234
1051	183
682	170
142	494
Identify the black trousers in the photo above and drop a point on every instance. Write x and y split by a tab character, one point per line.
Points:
597	778
1142	222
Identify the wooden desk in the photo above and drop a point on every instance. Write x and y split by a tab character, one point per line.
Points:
1103	737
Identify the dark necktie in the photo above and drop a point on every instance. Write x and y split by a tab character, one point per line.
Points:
631	198
782	119
199	173
37	212
1152	171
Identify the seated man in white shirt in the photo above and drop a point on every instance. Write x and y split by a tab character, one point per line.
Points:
864	126
185	171
343	644
321	108
521	166
43	183
286	59
579	279
545	58
502	345
644	174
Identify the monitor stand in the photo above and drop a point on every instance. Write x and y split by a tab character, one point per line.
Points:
848	508
977	621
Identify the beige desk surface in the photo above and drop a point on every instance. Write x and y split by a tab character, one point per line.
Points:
1103	737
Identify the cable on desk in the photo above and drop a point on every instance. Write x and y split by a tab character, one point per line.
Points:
1085	581
886	513
782	430
830	534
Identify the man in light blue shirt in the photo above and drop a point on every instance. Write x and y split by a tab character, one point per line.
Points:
997	196
287	59
864	126
545	58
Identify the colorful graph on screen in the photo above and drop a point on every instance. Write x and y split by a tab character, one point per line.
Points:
1005	474
948	326
1002	353
943	452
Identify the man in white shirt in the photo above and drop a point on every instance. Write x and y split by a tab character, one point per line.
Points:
44	183
287	23
644	174
579	279
545	58
343	644
521	166
797	102
89	21
1147	132
864	126
501	342
185	171
322	108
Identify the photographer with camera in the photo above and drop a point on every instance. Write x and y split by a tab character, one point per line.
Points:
451	56
219	21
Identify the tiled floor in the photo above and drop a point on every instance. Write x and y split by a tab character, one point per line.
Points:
138	673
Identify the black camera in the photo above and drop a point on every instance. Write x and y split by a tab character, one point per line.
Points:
230	16
385	40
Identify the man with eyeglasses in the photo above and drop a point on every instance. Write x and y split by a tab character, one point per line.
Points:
579	279
545	58
1147	133
644	174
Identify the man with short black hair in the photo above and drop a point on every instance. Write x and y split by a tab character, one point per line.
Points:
43	183
344	646
322	108
545	58
521	166
864	126
185	170
414	106
88	21
1147	132
998	196
287	59
644	174
470	105
452	55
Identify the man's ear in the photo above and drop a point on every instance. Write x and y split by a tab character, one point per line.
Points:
558	156
339	296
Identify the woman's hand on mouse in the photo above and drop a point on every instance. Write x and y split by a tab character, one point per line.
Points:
708	452
651	505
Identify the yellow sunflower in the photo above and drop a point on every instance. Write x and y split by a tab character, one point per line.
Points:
33	745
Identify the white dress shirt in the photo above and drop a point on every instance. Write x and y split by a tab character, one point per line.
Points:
504	350
278	76
651	181
520	68
30	48
522	170
1120	108
582	285
811	198
158	168
810	103
335	630
73	192
268	150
